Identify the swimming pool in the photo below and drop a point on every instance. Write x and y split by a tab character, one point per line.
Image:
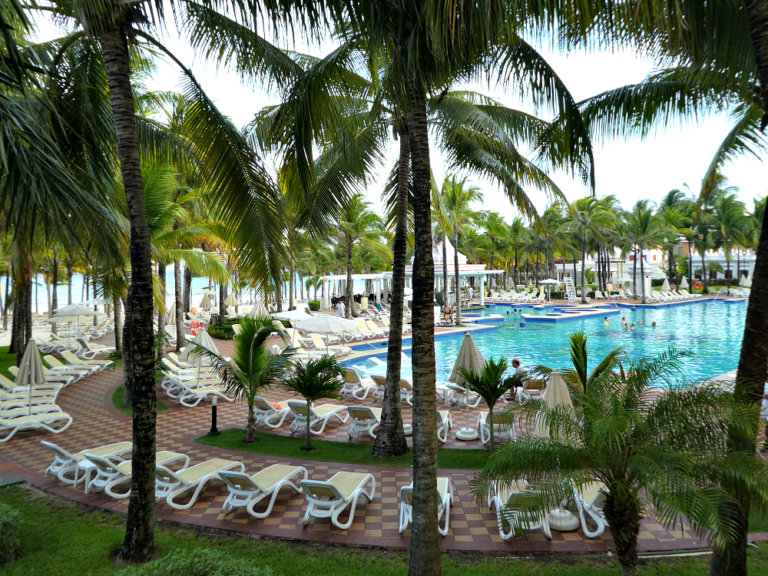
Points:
711	331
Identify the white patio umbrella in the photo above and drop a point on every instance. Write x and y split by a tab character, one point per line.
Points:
556	394
71	313
258	311
325	324
207	302
665	285
292	316
684	283
231	300
549	282
471	359
170	316
30	370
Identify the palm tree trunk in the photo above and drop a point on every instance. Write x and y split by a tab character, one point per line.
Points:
672	266
139	543
179	305
21	329
703	270
250	429
69	282
456	275
222	306
348	297
307	442
445	270
583	262
291	287
634	273
55	282
127	362
7	302
187	288
728	274
425	544
390	440
161	272
118	323
642	269
623	515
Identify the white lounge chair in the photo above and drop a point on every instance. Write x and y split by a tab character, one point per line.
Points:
247	491
75	361
589	501
460	396
364	419
532	389
111	475
503	425
50	378
406	391
353	385
66	464
271	414
331	498
510	521
444	424
380	383
170	485
54	422
331	350
318	416
444	503
10	387
80	370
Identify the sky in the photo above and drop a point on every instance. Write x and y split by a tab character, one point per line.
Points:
675	156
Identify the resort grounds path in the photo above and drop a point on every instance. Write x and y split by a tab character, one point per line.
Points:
472	525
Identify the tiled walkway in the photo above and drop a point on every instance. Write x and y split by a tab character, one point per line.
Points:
473	525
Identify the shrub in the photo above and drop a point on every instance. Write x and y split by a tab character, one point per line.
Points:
197	563
221	331
9	534
314	305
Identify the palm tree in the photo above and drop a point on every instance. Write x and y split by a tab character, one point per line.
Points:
490	384
237	177
361	227
730	228
589	219
252	368
646	230
316	379
495	228
671	448
455	215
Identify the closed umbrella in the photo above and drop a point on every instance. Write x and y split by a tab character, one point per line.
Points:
232	300
258	311
71	313
471	359
170	316
555	395
207	302
665	285
203	339
30	370
684	283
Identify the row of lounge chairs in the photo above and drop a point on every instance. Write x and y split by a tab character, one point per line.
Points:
191	384
180	485
533	297
30	408
671	296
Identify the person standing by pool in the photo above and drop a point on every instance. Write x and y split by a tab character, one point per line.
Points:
512	393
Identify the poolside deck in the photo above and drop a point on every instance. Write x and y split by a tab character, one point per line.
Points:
473	526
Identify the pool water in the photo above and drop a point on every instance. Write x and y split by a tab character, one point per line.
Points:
710	332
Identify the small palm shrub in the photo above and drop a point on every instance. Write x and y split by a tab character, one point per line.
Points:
198	563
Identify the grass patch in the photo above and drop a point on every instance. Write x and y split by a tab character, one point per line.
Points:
61	539
758	520
6	359
344	452
118	399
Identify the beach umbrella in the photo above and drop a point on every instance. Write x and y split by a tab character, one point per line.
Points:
325	324
549	282
232	300
258	311
72	311
471	359
292	316
556	394
202	339
684	283
170	316
207	302
665	285
30	370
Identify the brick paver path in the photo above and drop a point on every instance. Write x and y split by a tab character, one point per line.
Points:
472	527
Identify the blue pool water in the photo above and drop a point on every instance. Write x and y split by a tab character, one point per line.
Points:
710	332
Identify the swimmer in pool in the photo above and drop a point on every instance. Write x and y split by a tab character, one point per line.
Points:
632	326
653	324
607	322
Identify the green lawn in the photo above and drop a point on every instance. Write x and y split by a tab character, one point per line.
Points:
6	360
344	452
63	539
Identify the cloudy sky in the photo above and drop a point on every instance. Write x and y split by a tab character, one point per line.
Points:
632	170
